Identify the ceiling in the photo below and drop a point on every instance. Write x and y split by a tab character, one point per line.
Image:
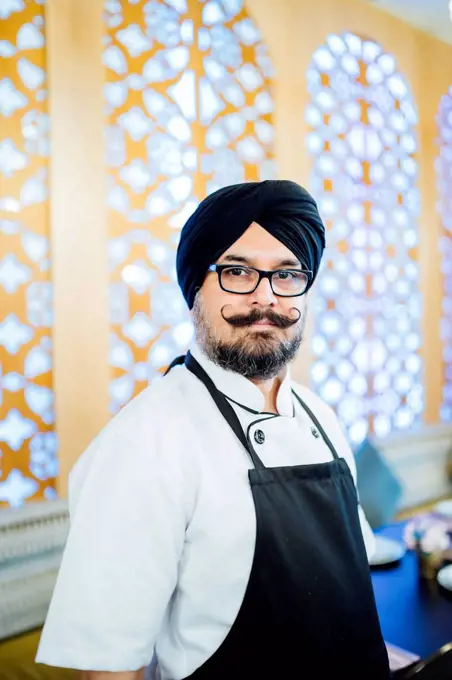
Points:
431	16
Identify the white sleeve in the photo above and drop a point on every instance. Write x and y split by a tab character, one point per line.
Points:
120	564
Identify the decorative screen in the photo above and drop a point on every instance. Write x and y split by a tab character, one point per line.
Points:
367	305
28	463
444	174
189	109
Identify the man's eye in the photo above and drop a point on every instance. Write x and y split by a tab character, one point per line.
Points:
237	271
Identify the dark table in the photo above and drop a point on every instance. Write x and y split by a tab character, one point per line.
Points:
414	615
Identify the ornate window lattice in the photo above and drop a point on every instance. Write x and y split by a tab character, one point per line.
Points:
444	174
28	464
189	110
367	303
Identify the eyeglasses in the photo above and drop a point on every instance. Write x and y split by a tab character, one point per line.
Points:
244	280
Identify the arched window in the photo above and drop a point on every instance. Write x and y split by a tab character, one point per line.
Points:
444	174
28	464
367	304
189	109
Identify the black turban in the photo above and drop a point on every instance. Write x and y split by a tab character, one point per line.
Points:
286	210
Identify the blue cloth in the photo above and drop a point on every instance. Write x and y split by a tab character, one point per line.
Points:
286	210
379	489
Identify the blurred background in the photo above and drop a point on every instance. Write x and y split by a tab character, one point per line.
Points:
116	119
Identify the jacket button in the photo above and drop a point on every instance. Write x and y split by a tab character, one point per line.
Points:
259	437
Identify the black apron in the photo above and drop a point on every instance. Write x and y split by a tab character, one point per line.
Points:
309	609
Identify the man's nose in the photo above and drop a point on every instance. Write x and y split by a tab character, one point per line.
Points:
264	295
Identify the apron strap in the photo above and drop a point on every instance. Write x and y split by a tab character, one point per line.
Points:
178	361
224	407
326	439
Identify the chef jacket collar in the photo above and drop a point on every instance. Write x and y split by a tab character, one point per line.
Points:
241	390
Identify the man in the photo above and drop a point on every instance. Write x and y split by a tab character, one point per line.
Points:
215	526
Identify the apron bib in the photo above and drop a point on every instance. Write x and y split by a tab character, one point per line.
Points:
309	609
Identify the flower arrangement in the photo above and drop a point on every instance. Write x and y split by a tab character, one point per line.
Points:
429	537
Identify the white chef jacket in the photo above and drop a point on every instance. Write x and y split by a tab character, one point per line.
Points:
163	524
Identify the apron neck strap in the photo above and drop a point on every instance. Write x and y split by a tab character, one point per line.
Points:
326	439
224	407
178	361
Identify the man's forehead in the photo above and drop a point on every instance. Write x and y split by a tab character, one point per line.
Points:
256	242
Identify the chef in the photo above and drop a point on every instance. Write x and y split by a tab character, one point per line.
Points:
216	532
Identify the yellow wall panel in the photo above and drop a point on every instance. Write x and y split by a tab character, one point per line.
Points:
28	464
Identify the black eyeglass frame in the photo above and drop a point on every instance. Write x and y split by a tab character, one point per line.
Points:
263	274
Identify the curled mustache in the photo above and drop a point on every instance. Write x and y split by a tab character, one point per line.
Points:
241	321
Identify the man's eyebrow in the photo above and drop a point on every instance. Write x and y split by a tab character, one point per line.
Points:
294	264
236	258
288	262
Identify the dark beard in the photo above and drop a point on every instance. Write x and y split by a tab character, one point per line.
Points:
258	356
260	363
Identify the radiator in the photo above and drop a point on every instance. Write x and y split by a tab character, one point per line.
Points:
421	459
32	539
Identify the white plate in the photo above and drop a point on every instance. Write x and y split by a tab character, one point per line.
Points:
444	508
387	551
445	577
